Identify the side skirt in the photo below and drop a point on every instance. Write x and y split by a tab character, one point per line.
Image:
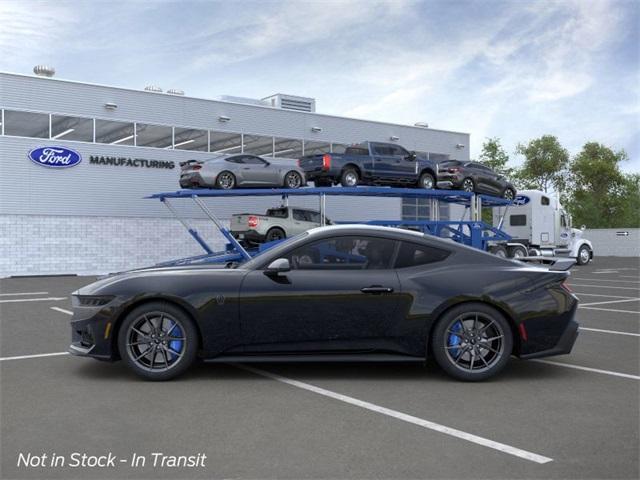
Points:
317	358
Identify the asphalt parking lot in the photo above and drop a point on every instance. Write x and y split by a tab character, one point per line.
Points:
574	416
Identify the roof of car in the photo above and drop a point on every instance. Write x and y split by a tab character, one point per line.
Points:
371	228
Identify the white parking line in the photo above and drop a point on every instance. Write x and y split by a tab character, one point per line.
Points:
23	293
38	355
615	332
599	295
609	310
628	276
587	369
615	287
609	301
48	299
533	457
61	310
607	280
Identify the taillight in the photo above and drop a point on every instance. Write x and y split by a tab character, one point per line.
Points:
453	170
196	167
253	221
326	161
299	163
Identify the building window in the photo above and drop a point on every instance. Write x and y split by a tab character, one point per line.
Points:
225	142
190	139
315	148
26	124
114	133
157	136
258	145
287	148
71	128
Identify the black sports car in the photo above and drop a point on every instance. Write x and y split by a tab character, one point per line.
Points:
334	293
474	177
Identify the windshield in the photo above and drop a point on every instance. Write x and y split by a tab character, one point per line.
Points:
277	250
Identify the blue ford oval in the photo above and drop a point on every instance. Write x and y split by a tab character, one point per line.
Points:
55	157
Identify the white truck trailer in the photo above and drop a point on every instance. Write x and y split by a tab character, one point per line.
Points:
539	225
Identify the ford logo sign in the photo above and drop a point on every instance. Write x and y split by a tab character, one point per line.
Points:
55	157
521	200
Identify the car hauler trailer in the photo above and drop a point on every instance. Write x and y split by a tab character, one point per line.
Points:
473	232
539	225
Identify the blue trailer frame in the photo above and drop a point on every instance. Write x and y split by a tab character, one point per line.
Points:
473	232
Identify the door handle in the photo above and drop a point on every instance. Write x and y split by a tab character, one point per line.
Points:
376	289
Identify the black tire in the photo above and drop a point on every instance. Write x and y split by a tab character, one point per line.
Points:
468	185
293	180
225	180
274	234
162	321
494	344
584	255
427	181
517	251
508	194
499	251
349	177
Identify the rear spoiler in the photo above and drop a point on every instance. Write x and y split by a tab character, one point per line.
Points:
188	162
554	263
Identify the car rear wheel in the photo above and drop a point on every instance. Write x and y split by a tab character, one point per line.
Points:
509	194
468	185
226	180
349	178
517	252
427	181
472	342
293	179
498	251
158	341
275	234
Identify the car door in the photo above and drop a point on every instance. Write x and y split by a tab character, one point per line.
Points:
298	221
383	160
257	171
339	293
404	166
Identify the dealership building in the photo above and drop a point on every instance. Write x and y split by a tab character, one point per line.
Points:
93	217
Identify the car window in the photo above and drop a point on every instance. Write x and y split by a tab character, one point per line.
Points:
313	216
251	160
300	215
382	150
234	159
544	200
518	220
414	254
277	212
344	253
356	151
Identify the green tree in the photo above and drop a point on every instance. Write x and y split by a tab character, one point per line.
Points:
600	195
494	156
545	164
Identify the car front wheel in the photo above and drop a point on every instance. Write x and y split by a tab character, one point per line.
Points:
472	342
584	255
158	341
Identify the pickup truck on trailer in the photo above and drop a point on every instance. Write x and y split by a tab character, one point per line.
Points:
275	224
371	163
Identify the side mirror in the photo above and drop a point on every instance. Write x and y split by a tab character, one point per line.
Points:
279	265
412	156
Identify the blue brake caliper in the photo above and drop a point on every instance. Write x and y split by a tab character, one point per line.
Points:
455	340
175	345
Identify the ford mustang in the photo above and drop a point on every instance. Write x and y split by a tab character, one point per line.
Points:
338	293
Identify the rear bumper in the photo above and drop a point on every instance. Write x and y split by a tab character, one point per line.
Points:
449	181
192	180
564	346
250	236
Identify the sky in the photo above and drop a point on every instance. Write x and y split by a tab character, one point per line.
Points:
509	69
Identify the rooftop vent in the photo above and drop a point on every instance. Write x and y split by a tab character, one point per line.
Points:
175	91
44	71
244	100
153	88
291	102
421	124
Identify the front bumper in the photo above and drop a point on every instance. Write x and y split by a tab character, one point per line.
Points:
92	333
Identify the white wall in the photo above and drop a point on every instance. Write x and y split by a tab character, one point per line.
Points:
607	242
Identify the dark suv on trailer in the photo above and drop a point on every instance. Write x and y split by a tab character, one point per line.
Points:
474	177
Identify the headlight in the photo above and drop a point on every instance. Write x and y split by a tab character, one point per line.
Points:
90	300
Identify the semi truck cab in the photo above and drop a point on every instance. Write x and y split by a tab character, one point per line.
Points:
539	225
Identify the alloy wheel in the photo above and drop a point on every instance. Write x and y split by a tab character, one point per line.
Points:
293	180
467	185
508	194
351	179
474	342
427	182
156	341
226	180
584	255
